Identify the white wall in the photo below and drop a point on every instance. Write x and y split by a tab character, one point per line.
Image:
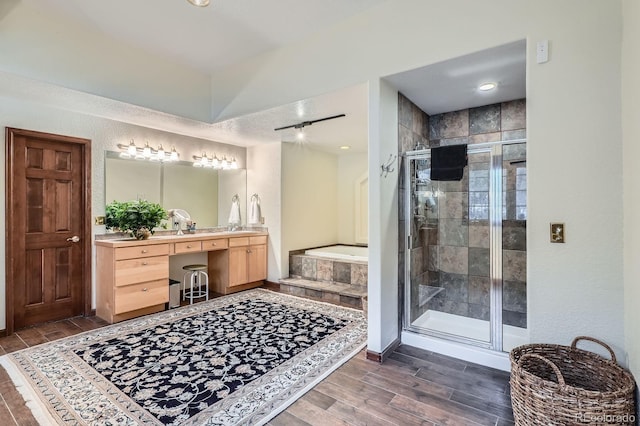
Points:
49	47
350	168
264	174
574	131
631	154
309	199
383	218
104	135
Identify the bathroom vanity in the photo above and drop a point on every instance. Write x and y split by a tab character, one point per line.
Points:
133	275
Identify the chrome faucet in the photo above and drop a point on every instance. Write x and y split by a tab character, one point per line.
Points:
179	225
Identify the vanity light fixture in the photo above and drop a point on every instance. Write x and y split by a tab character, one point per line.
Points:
132	151
199	3
485	87
214	162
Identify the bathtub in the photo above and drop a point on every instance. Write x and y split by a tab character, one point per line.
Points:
341	252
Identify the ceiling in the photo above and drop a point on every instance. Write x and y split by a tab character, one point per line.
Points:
452	85
230	31
351	130
207	38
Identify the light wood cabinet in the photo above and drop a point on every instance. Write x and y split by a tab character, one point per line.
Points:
242	266
257	262
132	281
133	276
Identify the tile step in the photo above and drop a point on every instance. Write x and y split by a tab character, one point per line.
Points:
340	294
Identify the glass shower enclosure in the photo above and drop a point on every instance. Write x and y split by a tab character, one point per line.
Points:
465	259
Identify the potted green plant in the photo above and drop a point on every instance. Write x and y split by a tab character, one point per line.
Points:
138	218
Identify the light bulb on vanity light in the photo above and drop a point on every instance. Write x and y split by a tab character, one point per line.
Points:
300	135
203	161
132	149
146	151
161	153
174	155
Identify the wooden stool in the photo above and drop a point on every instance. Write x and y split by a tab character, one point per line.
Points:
197	276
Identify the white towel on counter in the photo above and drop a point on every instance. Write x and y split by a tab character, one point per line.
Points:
234	215
254	213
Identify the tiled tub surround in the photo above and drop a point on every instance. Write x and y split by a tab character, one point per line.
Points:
332	280
451	248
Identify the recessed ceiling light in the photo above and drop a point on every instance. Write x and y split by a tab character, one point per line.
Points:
485	87
345	147
200	3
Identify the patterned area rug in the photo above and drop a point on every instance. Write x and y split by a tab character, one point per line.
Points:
239	359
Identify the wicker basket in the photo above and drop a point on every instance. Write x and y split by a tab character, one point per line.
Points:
562	385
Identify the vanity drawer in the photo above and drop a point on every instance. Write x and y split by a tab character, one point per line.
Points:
188	247
141	251
208	245
238	241
137	296
140	270
261	239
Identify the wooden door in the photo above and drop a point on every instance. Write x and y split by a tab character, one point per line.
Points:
257	260
238	265
48	227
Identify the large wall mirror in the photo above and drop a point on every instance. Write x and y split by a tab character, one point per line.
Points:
205	194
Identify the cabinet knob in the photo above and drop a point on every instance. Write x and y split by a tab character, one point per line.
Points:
213	244
145	263
248	251
144	251
145	289
188	246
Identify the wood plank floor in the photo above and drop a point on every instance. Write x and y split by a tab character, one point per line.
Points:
413	387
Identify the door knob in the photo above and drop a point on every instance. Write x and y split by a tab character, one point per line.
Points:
74	239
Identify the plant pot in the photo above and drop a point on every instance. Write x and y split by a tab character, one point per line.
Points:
142	234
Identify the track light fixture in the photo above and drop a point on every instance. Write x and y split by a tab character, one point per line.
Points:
303	124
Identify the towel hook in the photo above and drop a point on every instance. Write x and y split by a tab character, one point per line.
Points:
255	197
235	198
386	167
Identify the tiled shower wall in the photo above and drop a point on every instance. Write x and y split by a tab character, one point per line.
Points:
451	249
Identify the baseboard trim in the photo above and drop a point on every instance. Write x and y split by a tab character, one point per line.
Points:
3	332
270	285
382	357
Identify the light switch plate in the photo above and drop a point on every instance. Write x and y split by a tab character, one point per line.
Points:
542	51
99	220
557	233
